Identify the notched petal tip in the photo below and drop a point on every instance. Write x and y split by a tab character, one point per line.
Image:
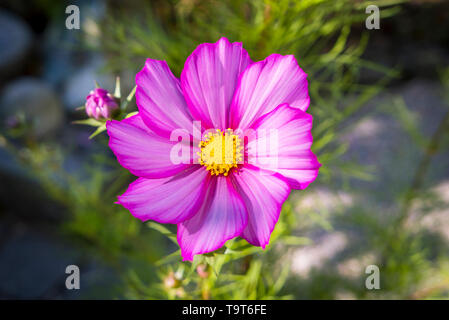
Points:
160	100
266	84
294	158
209	79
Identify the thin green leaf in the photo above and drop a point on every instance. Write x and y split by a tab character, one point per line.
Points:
163	230
128	99
98	131
117	92
90	122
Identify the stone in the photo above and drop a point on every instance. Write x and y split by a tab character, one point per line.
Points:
15	43
37	101
31	265
80	83
60	61
315	256
98	281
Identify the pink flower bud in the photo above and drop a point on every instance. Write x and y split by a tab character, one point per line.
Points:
170	281
100	104
202	271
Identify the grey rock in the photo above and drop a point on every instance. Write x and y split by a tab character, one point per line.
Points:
31	265
9	164
315	256
37	101
381	141
97	281
59	57
15	43
423	61
60	49
425	98
82	82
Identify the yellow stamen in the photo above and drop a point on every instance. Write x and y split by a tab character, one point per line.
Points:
220	152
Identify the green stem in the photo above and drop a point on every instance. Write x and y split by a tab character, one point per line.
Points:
422	169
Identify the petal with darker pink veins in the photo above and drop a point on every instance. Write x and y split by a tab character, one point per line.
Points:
282	144
160	100
263	194
167	200
266	84
209	79
222	217
140	150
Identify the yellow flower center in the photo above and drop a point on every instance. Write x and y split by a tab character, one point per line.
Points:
220	152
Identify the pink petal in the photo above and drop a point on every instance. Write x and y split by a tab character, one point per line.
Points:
167	200
264	195
209	79
294	159
266	84
140	151
159	99
222	217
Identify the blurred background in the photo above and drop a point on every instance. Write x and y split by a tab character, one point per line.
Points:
381	130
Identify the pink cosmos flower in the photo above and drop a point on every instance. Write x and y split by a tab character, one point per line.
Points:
100	104
212	201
